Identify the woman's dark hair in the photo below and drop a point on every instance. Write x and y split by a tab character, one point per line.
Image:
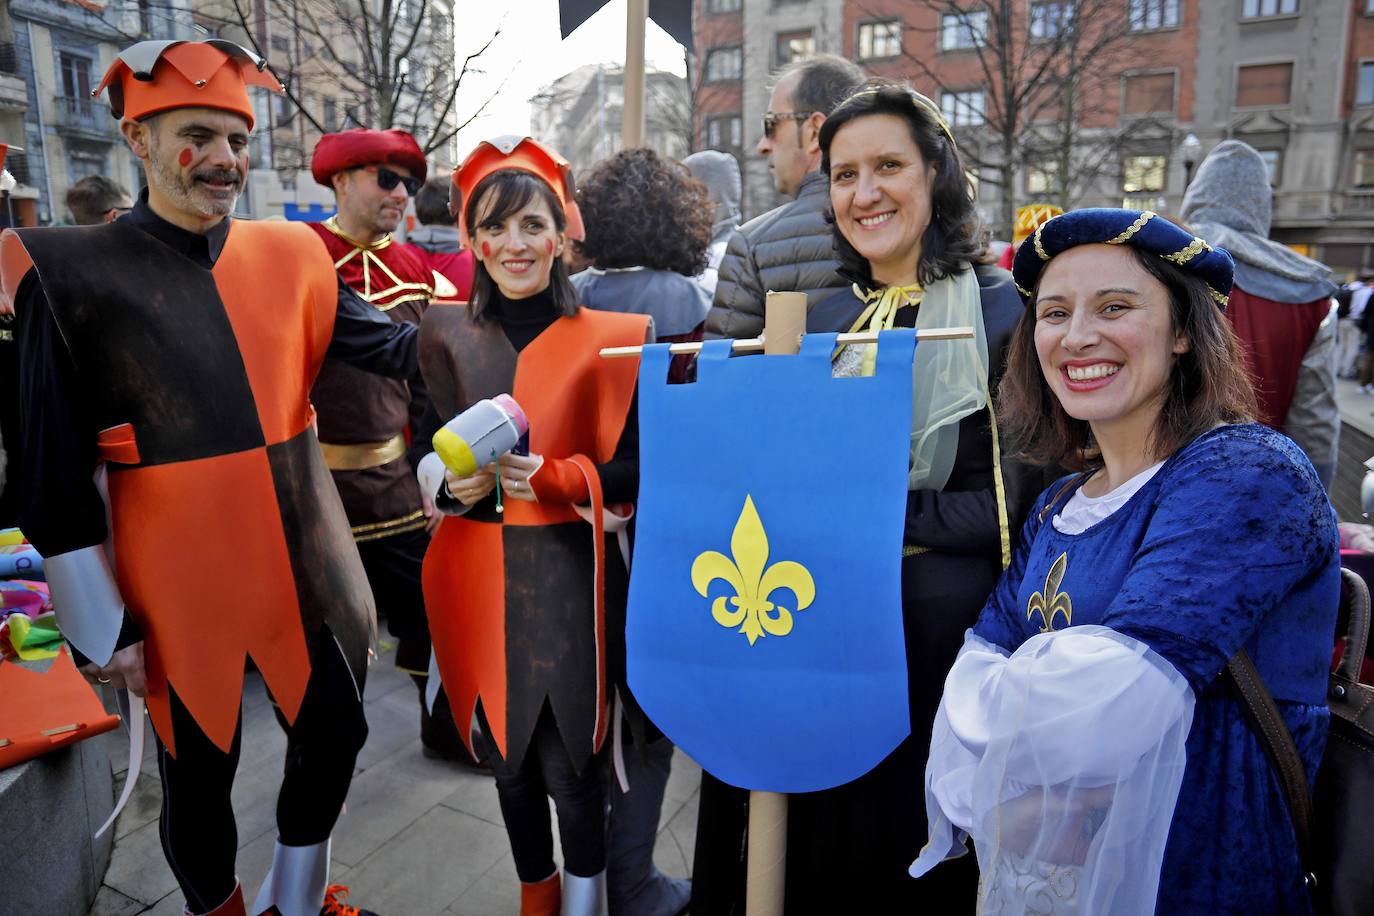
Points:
644	211
510	190
1207	386
954	234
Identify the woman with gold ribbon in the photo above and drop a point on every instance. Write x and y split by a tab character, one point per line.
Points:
908	236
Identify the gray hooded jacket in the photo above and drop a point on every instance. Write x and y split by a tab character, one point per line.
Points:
1229	203
790	248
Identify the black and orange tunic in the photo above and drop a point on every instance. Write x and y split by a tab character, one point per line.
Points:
185	366
517	601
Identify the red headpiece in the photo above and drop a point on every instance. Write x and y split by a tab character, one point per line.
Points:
360	146
512	152
154	76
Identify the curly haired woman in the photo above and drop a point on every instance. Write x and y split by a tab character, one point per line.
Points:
648	227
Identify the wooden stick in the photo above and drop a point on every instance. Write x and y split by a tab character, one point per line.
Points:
632	83
766	859
759	345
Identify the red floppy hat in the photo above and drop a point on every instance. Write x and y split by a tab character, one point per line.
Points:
351	148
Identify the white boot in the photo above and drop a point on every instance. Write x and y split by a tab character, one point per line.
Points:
584	896
296	883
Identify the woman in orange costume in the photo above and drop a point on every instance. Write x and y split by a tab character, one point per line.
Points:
523	570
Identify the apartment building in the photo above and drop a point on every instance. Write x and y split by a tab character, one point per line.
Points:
581	113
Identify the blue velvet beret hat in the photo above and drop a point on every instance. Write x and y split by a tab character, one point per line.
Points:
1137	228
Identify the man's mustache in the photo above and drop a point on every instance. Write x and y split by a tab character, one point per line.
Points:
225	176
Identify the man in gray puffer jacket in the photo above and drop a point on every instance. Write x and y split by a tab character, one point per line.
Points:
791	247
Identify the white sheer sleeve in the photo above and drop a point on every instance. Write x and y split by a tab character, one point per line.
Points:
1063	763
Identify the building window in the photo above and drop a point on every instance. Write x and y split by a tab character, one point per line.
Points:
1260	85
1369	7
331	114
1363	173
1147	93
1364	91
882	39
76	76
1140	174
1146	15
1052	18
281	43
282	115
963	109
723	64
723	6
1265	9
1273	161
1043	180
794	46
725	132
963	30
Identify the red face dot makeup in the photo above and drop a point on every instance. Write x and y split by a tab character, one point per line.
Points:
548	246
185	158
486	249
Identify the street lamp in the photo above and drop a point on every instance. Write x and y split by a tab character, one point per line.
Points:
1189	151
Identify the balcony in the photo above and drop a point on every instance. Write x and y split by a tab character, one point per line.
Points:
14	93
1359	202
83	118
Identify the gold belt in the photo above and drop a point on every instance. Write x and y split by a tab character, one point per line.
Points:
359	456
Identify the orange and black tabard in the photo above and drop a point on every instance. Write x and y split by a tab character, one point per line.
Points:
229	537
518	602
364	418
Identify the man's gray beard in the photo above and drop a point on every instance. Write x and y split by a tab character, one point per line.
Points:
171	185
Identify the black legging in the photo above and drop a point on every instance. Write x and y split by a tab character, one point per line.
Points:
547	772
199	835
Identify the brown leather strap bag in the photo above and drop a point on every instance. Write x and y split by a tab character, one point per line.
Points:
1334	826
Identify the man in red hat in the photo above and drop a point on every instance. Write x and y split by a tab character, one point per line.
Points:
166	364
367	422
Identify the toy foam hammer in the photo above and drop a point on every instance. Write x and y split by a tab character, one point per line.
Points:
480	434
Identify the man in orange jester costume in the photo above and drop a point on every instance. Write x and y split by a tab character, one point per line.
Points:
365	421
171	353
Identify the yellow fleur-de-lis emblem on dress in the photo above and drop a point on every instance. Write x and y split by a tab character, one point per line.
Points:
753	580
1052	602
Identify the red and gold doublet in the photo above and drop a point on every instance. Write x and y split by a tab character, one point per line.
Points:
363	417
229	537
517	602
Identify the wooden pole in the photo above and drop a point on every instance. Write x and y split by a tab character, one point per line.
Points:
632	127
784	322
756	344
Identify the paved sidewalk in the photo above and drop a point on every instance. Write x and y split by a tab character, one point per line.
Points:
418	837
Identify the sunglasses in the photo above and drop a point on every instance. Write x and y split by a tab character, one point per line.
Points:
771	119
387	179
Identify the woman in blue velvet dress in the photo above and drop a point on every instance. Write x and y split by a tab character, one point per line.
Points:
1085	741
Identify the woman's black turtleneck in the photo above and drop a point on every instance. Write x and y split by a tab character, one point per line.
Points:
525	319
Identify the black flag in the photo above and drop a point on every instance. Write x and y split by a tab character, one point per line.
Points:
673	16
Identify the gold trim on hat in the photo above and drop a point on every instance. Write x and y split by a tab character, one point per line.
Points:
1039	249
1123	238
1184	255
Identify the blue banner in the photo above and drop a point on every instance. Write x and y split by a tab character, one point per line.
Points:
765	629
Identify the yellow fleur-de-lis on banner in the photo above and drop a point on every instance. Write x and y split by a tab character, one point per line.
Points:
1052	601
753	580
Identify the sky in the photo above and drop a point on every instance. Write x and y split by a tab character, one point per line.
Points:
529	55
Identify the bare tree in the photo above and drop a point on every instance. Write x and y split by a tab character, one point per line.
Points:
1049	74
392	63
